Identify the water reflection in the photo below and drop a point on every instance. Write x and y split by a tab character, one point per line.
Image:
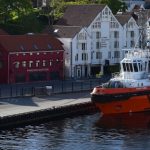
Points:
91	132
125	131
125	121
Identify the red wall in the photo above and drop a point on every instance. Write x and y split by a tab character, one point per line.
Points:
57	66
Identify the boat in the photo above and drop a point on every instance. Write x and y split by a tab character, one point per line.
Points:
129	90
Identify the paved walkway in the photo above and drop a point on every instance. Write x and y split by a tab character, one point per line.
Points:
14	106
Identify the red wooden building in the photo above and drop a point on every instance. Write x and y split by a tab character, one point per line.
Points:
27	58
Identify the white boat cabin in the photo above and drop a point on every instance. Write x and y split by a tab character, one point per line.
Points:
135	70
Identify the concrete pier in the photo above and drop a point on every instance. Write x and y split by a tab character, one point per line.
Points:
17	111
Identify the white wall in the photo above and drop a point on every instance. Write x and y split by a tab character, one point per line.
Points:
67	55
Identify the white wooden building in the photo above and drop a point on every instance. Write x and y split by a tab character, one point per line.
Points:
94	38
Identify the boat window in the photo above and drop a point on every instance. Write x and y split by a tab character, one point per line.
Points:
124	66
145	65
131	68
128	69
140	66
135	67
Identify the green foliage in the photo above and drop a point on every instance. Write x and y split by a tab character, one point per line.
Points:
10	9
25	24
114	5
18	16
59	6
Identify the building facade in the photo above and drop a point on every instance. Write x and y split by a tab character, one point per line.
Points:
93	39
28	58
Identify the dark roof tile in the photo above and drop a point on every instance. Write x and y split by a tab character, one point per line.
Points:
123	18
63	31
80	15
17	43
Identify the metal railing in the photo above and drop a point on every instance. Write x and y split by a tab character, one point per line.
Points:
60	86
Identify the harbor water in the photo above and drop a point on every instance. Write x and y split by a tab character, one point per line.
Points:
90	132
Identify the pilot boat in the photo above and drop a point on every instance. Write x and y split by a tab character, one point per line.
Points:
129	90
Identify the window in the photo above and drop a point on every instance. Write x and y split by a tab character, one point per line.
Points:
17	65
96	25
131	68
116	34
44	63
116	44
124	66
84	56
37	63
30	64
98	55
76	57
98	35
135	67
130	24
114	25
116	54
98	45
84	46
81	36
50	63
132	44
105	13
24	64
132	34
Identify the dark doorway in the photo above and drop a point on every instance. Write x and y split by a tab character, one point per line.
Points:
20	77
37	76
86	71
54	76
95	70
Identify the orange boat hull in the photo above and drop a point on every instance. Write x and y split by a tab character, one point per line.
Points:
133	104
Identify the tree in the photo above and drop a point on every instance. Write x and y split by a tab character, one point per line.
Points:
57	8
114	5
10	9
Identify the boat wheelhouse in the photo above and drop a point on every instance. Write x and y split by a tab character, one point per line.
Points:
129	90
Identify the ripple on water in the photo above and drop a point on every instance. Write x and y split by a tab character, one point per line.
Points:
85	132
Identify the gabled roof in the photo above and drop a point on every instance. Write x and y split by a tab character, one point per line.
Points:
80	15
63	31
27	43
123	18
